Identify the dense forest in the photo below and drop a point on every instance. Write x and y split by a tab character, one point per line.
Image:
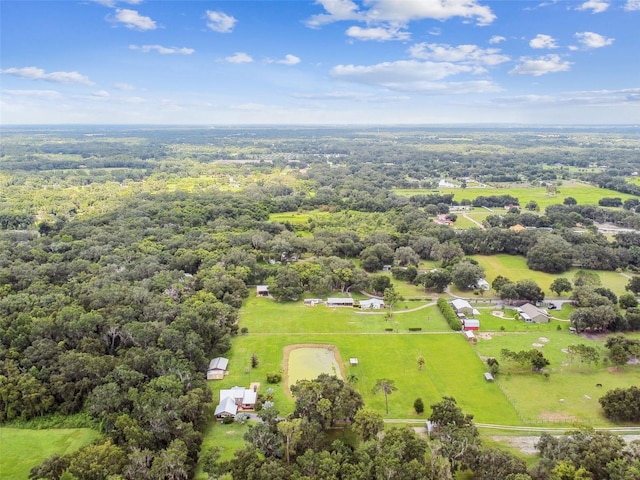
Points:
125	256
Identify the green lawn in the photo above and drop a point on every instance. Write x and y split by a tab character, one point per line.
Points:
23	449
584	194
515	268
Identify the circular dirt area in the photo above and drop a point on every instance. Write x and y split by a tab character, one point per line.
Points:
538	345
543	339
497	313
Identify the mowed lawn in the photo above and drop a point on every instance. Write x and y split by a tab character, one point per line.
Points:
22	449
452	367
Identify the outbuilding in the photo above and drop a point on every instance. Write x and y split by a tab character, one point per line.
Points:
262	290
462	306
217	368
340	302
471	324
371	303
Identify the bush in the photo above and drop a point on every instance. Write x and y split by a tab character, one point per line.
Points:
622	405
274	377
415	329
227	420
449	315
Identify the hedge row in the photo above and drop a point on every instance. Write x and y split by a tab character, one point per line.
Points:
449	315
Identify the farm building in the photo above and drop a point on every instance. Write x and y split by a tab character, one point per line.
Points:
469	335
234	399
482	284
217	368
488	377
470	324
313	301
532	314
462	306
371	303
262	290
339	302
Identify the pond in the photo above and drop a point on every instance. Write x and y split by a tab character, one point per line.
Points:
307	362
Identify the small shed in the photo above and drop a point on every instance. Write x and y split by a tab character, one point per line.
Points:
471	324
353	361
312	301
217	368
469	335
340	302
488	377
262	290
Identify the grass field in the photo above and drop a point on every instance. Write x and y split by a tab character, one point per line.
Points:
22	449
584	193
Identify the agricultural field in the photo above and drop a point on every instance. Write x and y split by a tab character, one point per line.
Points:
24	448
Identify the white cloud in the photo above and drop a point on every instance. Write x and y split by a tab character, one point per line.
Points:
543	41
289	60
468	54
540	66
409	75
596	6
239	57
133	20
496	39
220	22
125	87
352	96
112	3
34	73
632	5
400	12
380	34
45	94
162	50
337	10
101	94
593	40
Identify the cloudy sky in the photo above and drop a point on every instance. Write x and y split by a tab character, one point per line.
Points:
320	62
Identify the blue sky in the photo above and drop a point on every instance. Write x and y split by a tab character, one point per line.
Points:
320	62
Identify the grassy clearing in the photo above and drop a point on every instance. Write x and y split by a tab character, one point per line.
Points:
23	449
515	268
584	193
570	394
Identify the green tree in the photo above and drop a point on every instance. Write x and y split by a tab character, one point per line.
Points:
367	424
560	285
551	254
387	387
291	431
465	274
627	300
418	406
391	298
633	285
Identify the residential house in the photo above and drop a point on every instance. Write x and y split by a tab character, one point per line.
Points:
312	301
217	368
532	314
236	399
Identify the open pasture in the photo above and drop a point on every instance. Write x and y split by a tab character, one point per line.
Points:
23	448
570	393
515	268
584	193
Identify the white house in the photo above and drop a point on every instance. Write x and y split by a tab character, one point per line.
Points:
234	399
371	303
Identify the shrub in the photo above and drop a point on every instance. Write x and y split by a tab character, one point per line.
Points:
227	420
449	315
274	377
415	329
